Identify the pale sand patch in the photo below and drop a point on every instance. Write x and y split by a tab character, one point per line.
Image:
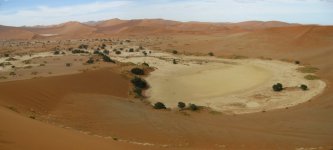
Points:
195	83
226	85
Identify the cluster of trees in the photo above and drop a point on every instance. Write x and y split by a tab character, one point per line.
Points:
83	46
78	51
108	59
181	105
104	55
279	87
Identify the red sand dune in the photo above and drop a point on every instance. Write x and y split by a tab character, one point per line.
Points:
140	26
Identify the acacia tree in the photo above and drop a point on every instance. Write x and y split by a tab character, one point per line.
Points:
277	87
181	105
159	105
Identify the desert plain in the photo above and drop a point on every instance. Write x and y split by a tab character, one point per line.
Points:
70	86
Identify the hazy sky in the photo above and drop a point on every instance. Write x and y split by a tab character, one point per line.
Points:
43	12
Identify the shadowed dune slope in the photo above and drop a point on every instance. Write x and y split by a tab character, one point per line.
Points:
46	93
18	132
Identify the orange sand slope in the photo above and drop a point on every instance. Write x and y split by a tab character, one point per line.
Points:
306	125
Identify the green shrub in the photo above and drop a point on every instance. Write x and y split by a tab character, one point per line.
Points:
83	46
193	107
118	52
181	105
68	64
277	87
174	61
56	52
77	51
103	46
106	52
97	52
139	83
211	54
137	91
175	52
145	64
138	71
108	59
90	61
304	87
159	105
145	53
131	50
297	62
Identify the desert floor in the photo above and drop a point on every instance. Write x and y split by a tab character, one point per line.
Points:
81	106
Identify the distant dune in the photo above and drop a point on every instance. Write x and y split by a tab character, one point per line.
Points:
140	26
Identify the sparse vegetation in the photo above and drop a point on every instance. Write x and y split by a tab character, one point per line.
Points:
159	105
90	61
307	69
77	51
56	52
12	73
144	53
97	52
138	71
277	87
106	52
34	73
311	77
131	50
211	54
174	52
83	46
